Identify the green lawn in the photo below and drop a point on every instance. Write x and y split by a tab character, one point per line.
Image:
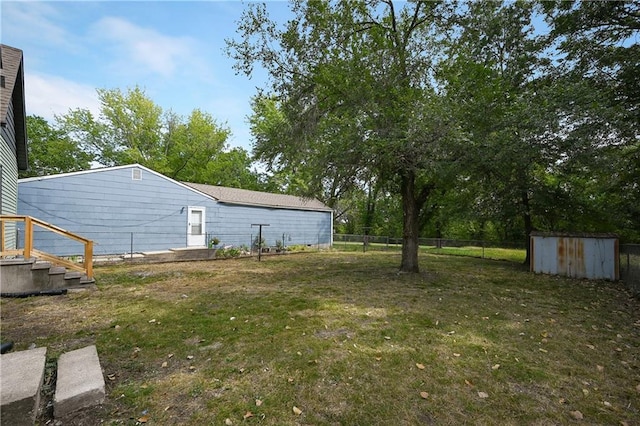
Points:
345	339
514	255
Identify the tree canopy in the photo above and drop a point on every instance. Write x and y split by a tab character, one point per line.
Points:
131	128
475	109
357	100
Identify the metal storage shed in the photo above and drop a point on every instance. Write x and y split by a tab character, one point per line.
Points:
592	256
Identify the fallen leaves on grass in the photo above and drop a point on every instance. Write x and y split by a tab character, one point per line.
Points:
247	415
420	366
228	422
296	411
495	366
576	415
258	402
424	395
483	395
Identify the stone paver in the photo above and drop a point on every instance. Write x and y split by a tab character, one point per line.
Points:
21	377
80	383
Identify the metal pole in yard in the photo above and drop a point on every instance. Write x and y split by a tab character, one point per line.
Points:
131	252
259	225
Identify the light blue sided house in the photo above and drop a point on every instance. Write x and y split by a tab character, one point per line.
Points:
132	209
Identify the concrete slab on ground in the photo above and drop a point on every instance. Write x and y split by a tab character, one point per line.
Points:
21	377
80	383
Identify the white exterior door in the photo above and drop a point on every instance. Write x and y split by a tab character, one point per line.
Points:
195	227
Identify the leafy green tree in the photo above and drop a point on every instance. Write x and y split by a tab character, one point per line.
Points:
498	74
233	168
131	128
599	42
354	85
128	129
51	151
190	146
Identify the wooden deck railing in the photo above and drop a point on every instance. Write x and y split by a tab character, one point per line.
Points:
29	250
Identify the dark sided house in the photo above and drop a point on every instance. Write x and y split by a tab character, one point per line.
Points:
132	209
13	134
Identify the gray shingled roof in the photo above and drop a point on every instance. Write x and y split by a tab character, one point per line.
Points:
13	91
11	61
256	198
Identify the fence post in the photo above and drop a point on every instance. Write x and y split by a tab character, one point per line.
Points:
483	249
131	252
88	259
28	237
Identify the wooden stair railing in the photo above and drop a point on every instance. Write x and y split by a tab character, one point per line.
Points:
29	250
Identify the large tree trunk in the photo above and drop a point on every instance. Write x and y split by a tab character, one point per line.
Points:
411	213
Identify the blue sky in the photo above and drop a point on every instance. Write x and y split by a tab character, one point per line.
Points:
173	50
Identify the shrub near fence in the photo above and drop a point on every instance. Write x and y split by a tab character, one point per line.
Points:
630	267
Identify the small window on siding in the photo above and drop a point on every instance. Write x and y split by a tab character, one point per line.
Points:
136	174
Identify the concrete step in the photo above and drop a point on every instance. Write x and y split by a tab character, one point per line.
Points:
80	383
31	275
40	275
72	278
21	377
56	277
15	274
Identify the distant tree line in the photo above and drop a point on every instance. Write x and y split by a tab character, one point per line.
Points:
476	120
131	128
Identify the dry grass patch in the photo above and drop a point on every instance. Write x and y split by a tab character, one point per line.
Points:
346	339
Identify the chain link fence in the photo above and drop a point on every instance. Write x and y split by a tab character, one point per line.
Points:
126	244
514	251
630	267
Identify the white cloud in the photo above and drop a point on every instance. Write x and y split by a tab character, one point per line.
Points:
34	21
144	50
48	95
